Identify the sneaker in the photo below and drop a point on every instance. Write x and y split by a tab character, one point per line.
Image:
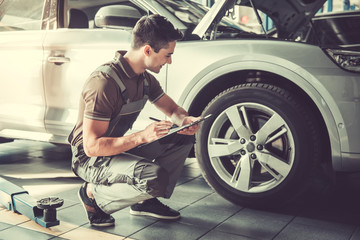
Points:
154	208
95	215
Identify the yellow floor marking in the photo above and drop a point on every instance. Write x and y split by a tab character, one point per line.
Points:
64	230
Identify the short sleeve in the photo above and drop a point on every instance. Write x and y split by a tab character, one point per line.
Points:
100	98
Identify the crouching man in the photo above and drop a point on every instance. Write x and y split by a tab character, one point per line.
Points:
117	169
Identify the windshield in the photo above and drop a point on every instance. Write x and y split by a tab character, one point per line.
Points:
190	13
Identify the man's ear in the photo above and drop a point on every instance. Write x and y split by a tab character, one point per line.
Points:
147	50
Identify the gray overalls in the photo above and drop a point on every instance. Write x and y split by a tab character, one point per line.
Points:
139	174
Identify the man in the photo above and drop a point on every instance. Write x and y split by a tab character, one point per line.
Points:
130	170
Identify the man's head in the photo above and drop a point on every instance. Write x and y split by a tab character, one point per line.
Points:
154	37
156	31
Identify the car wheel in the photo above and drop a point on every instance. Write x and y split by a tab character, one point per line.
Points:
260	146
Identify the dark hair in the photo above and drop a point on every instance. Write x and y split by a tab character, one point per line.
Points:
154	30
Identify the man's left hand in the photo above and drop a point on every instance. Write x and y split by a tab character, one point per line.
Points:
190	130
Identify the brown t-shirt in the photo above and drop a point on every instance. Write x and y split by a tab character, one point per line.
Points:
101	97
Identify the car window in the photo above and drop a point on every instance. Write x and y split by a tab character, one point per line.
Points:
90	9
18	15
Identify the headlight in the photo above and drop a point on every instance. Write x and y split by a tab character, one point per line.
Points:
348	60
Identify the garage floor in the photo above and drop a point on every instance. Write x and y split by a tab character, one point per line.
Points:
44	170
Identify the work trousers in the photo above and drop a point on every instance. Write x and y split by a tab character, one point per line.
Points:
136	175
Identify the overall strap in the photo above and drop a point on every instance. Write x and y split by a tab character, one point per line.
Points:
109	71
129	108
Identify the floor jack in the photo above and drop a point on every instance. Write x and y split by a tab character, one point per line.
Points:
18	200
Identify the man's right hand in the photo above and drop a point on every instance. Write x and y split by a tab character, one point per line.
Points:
96	144
156	130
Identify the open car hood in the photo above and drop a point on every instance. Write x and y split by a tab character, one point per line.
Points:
289	16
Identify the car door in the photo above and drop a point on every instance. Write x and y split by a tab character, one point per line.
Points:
21	56
71	54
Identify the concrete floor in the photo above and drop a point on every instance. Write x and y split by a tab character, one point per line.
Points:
43	170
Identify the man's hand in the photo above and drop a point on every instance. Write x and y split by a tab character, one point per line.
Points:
190	130
156	130
177	114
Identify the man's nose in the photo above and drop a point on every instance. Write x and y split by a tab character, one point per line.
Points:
169	60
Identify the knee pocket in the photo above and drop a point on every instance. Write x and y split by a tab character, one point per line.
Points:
155	177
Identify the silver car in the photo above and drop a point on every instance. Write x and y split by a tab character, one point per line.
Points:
282	110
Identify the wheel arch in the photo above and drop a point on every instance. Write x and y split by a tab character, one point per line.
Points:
202	89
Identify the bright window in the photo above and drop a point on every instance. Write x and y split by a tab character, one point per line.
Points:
18	15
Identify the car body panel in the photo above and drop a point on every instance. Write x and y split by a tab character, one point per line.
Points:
22	100
261	60
49	97
63	82
315	76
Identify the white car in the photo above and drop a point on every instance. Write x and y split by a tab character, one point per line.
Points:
280	108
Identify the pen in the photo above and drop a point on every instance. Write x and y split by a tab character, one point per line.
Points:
155	119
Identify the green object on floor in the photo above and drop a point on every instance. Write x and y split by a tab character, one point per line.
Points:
18	200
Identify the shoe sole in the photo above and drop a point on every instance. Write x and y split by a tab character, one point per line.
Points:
102	224
93	224
154	215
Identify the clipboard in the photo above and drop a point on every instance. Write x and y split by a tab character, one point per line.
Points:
178	129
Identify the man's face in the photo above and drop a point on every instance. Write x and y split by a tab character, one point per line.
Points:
155	61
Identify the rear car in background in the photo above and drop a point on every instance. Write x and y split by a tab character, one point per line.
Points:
282	104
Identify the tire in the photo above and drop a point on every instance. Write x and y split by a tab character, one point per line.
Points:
260	146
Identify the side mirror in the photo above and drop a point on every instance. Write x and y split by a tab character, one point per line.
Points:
117	16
